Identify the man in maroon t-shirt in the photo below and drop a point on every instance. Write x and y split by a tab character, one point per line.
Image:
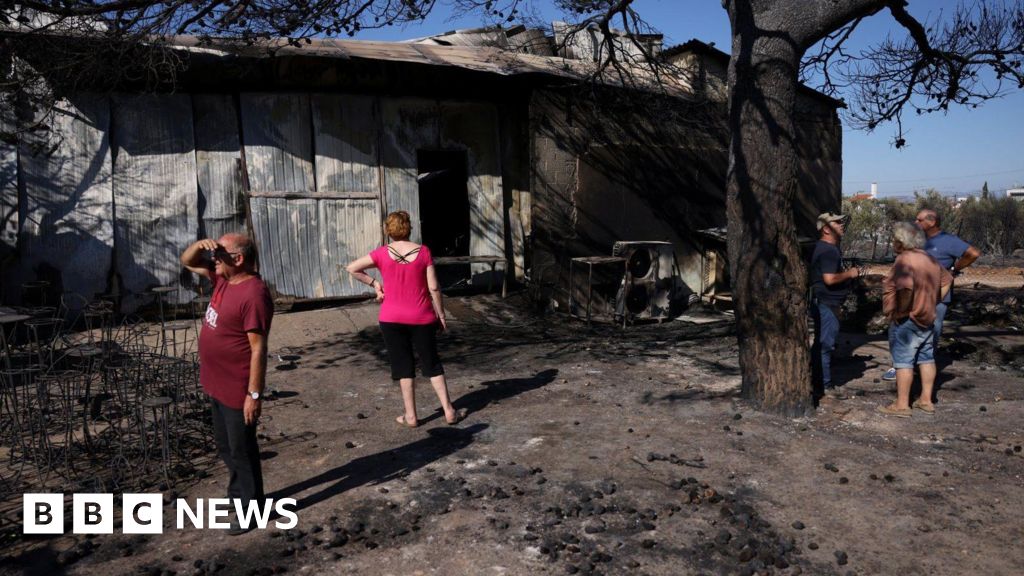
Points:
233	355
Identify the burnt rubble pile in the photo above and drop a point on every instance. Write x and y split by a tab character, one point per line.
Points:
973	306
583	528
93	402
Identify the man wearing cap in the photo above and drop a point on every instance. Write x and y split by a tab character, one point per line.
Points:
830	284
952	253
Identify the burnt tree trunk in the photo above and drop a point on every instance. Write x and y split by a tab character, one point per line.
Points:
768	274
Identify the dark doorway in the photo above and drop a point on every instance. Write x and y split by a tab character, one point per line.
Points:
444	209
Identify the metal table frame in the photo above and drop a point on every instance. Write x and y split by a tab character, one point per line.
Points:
589	262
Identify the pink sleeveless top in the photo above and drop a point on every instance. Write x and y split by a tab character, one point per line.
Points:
406	297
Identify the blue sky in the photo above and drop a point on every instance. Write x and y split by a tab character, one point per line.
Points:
953	153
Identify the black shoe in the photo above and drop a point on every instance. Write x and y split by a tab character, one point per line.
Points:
236	529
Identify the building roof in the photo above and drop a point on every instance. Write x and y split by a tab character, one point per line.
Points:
487	50
707	50
485	59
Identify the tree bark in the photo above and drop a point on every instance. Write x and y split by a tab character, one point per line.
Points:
768	273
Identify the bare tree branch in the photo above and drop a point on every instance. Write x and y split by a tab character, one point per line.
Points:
976	55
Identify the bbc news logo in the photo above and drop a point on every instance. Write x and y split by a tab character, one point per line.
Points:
144	513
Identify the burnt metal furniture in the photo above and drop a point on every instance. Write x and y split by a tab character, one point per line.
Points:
589	262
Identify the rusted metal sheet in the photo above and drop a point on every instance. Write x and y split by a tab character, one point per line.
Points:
410	125
67	234
346	132
155	192
491	36
480	58
532	41
474	127
278	144
218	172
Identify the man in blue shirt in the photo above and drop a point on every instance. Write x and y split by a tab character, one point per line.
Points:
952	253
830	284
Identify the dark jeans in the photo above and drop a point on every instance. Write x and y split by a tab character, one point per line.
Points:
236	445
826	329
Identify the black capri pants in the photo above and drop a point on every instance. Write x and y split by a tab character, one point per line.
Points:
402	339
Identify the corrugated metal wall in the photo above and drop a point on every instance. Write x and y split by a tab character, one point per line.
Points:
218	165
347	130
67	232
411	125
147	174
8	189
313	224
349	228
278	146
287	231
474	127
155	196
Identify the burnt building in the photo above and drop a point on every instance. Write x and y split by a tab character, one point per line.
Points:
502	146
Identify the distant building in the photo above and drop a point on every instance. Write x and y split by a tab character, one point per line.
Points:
860	196
1015	193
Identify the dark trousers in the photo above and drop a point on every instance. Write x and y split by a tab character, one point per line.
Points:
826	330
402	339
236	445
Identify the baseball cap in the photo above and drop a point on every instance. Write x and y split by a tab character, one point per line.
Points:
826	217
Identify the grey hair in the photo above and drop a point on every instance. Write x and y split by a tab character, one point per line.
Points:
910	236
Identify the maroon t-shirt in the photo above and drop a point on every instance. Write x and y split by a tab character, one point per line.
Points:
224	351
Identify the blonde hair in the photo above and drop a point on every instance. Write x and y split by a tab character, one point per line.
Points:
398	226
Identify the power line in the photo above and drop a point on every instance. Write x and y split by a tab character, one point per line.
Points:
930	178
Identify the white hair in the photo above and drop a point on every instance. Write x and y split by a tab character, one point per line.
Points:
910	236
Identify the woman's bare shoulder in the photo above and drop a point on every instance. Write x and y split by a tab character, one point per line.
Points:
405	245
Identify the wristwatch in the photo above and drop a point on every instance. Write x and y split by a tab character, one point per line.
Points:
254	395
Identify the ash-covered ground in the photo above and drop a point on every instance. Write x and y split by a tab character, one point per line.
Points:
607	451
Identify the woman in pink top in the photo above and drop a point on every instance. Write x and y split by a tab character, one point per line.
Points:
409	314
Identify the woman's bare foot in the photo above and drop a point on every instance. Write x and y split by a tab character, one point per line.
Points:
455	416
406	422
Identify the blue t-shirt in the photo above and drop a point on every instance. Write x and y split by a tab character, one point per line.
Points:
946	249
827	259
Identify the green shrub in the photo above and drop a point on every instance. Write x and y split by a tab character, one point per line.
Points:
993	225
